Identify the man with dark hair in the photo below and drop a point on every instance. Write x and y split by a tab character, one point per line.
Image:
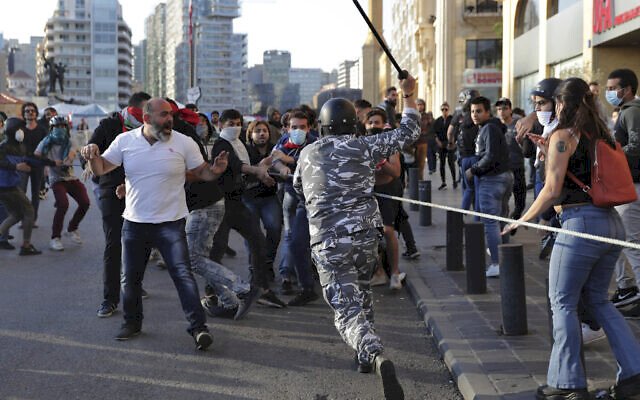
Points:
236	215
33	135
389	105
362	108
492	172
622	86
157	158
446	150
48	113
109	192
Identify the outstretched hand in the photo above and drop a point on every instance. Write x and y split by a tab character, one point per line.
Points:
220	163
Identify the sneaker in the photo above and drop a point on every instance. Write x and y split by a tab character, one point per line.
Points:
550	393
396	282
631	312
530	186
246	301
379	279
363	368
203	339
627	388
546	245
623	297
5	245
411	254
128	331
270	299
106	309
493	271
43	194
56	244
390	385
29	251
303	298
211	307
144	294
286	288
75	237
442	187
589	335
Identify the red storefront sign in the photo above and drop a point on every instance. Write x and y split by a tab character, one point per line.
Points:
482	77
604	17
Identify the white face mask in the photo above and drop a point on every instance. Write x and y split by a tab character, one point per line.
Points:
230	133
544	117
19	135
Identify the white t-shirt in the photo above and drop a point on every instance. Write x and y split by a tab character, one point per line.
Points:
154	174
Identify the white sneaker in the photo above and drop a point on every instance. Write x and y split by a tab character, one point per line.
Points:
589	335
493	271
379	280
396	282
56	244
75	237
155	254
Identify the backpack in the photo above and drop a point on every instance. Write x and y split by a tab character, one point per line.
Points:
611	182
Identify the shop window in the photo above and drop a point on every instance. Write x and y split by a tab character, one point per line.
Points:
526	16
484	53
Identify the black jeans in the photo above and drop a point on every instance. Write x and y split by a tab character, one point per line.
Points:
36	175
238	217
111	208
519	192
450	157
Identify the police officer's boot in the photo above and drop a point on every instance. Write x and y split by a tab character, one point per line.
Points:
390	385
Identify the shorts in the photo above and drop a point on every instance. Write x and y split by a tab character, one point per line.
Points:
389	210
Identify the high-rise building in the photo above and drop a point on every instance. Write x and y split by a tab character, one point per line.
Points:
139	63
276	64
22	56
155	64
310	80
344	73
91	43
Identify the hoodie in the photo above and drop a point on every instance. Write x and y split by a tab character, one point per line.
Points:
491	148
627	132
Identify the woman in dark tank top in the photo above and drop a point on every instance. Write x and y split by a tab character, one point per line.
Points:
579	267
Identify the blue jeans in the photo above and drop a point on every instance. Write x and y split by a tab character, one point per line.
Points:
269	211
491	191
170	238
468	188
201	226
3	215
298	249
579	266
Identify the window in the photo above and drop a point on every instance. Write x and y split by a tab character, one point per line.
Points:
484	53
526	16
481	6
557	6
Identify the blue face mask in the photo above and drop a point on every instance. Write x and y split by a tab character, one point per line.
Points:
59	135
297	136
612	98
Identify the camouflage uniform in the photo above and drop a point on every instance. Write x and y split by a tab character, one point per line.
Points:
336	176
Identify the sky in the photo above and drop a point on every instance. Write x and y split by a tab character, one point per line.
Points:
318	33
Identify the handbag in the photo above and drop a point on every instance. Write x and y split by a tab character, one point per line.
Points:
611	182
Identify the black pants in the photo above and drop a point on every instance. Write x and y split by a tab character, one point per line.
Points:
519	192
238	217
450	157
112	209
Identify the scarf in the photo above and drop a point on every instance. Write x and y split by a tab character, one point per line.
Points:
231	135
131	118
57	137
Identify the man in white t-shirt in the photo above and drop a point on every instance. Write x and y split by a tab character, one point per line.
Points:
155	159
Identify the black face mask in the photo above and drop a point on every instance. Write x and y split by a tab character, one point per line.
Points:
374	131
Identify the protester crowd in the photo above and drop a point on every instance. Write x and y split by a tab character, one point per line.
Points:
302	186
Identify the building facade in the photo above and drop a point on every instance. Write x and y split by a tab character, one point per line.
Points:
139	63
309	80
155	63
91	43
598	36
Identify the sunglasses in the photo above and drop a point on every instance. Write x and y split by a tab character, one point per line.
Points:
444	109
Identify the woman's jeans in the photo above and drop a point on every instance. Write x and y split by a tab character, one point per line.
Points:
581	267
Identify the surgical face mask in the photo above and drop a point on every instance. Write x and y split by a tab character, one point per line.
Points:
201	130
374	131
19	135
230	133
612	98
297	136
544	117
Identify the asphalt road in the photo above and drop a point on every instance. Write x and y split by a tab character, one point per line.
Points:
52	345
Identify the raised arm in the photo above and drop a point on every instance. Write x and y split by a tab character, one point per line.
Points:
99	165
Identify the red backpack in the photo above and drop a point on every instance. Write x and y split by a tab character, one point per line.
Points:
611	182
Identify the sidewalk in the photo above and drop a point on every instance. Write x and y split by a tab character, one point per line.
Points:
466	328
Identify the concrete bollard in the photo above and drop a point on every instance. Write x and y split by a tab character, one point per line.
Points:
413	188
424	189
512	290
454	241
475	260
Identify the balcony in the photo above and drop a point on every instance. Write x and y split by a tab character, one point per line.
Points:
482	10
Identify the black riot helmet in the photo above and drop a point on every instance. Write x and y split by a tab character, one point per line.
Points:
465	97
546	88
11	126
338	117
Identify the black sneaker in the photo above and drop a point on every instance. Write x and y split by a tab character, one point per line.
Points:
203	339
144	294
627	388
106	309
246	302
5	245
217	311
303	298
270	299
442	187
632	312
546	245
128	331
286	288
29	251
411	254
390	385
550	393
623	297
363	368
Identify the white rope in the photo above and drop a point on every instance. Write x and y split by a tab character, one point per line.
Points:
582	235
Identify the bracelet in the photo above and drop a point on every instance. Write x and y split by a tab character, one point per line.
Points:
406	96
